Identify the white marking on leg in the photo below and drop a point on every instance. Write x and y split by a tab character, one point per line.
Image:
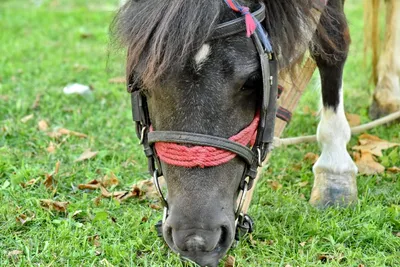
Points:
333	134
202	55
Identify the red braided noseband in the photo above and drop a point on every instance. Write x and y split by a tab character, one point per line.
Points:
205	156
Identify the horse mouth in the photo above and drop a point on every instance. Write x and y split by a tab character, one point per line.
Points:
204	258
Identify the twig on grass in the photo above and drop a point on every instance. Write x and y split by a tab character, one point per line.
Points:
355	130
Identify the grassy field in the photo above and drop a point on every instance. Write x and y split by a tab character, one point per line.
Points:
45	45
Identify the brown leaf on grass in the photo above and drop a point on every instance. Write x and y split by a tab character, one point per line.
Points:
106	181
22	219
63	131
94	240
27	118
57	168
110	180
328	257
14	253
274	185
155	207
54	205
366	163
87	154
398	234
230	261
393	170
373	144
43	126
144	189
118	195
29	183
51	148
121	79
92	185
49	182
311	157
353	119
303	244
35	104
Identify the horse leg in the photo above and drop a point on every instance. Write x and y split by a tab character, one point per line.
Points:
386	97
335	171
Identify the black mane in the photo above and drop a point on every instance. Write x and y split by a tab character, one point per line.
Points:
162	35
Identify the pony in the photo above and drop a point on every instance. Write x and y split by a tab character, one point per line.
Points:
386	64
186	83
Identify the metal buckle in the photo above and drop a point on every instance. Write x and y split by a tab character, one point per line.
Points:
241	201
142	132
163	200
245	226
259	156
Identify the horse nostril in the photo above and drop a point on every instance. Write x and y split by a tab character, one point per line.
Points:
224	238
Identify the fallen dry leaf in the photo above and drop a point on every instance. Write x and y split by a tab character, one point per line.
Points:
51	148
311	157
366	163
302	244
373	144
22	218
353	119
155	207
57	168
14	253
43	126
87	154
92	185
54	205
121	79
393	170
94	240
49	182
64	131
144	189
398	234
106	181
27	118
230	261
35	104
110	180
29	183
274	185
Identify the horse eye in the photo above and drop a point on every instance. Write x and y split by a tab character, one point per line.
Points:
253	82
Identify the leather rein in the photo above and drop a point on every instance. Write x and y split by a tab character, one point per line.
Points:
254	156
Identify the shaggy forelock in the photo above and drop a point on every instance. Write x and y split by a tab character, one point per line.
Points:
162	36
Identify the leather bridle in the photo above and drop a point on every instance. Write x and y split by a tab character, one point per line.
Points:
253	157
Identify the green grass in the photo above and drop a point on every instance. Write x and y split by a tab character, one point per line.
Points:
44	45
